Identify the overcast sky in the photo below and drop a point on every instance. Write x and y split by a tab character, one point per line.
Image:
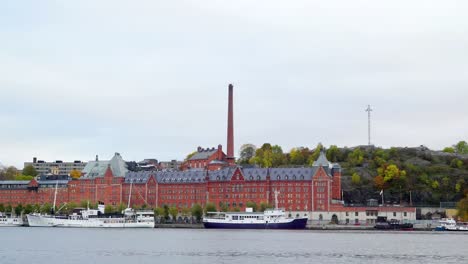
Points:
149	79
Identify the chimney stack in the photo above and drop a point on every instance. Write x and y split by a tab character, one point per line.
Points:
230	128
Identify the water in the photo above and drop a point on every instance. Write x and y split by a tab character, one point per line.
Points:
124	246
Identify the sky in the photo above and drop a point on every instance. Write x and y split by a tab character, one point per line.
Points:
148	79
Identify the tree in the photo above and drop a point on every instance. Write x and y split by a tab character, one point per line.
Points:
18	209
109	209
121	207
296	156
2	208
449	150
173	211
315	154
247	152
75	174
190	155
9	209
28	209
379	182
210	207
456	163
462	207
159	213
332	153
435	185
461	147
251	204
356	157
264	206
197	212
30	171
10	173
23	178
356	179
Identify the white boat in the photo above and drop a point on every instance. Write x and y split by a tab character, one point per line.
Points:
129	218
270	219
8	220
449	224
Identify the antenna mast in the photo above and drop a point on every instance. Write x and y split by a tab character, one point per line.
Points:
368	110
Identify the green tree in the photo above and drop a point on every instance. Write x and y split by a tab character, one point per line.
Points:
109	209
9	209
296	156
435	185
159	213
30	171
456	163
190	155
315	154
121	207
251	204
247	152
23	178
173	211
356	157
10	173
356	179
19	209
2	207
332	153
461	147
197	212
449	150
210	207
28	209
264	206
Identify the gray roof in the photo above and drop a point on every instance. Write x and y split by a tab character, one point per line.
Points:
221	175
255	174
60	182
14	182
98	168
188	176
203	154
139	176
282	174
322	160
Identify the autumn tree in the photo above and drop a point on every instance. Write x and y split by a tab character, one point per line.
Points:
75	174
296	156
462	207
379	182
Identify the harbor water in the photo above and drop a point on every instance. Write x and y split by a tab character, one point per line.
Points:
123	246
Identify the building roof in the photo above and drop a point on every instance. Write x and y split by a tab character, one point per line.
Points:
322	160
203	154
98	168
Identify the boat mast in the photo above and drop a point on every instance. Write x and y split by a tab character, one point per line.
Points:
55	196
276	199
130	194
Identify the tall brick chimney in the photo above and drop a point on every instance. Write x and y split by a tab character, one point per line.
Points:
230	128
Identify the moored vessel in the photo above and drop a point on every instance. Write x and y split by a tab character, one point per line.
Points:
269	219
9	220
449	224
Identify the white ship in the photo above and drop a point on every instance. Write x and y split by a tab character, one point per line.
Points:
8	220
270	219
449	224
129	218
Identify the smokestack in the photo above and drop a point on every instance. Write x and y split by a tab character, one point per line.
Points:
230	129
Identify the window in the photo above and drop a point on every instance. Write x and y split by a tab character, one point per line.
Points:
404	214
394	213
356	213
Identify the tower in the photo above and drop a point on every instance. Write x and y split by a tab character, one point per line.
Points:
368	110
230	127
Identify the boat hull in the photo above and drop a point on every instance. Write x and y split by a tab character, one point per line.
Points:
298	223
46	221
10	222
